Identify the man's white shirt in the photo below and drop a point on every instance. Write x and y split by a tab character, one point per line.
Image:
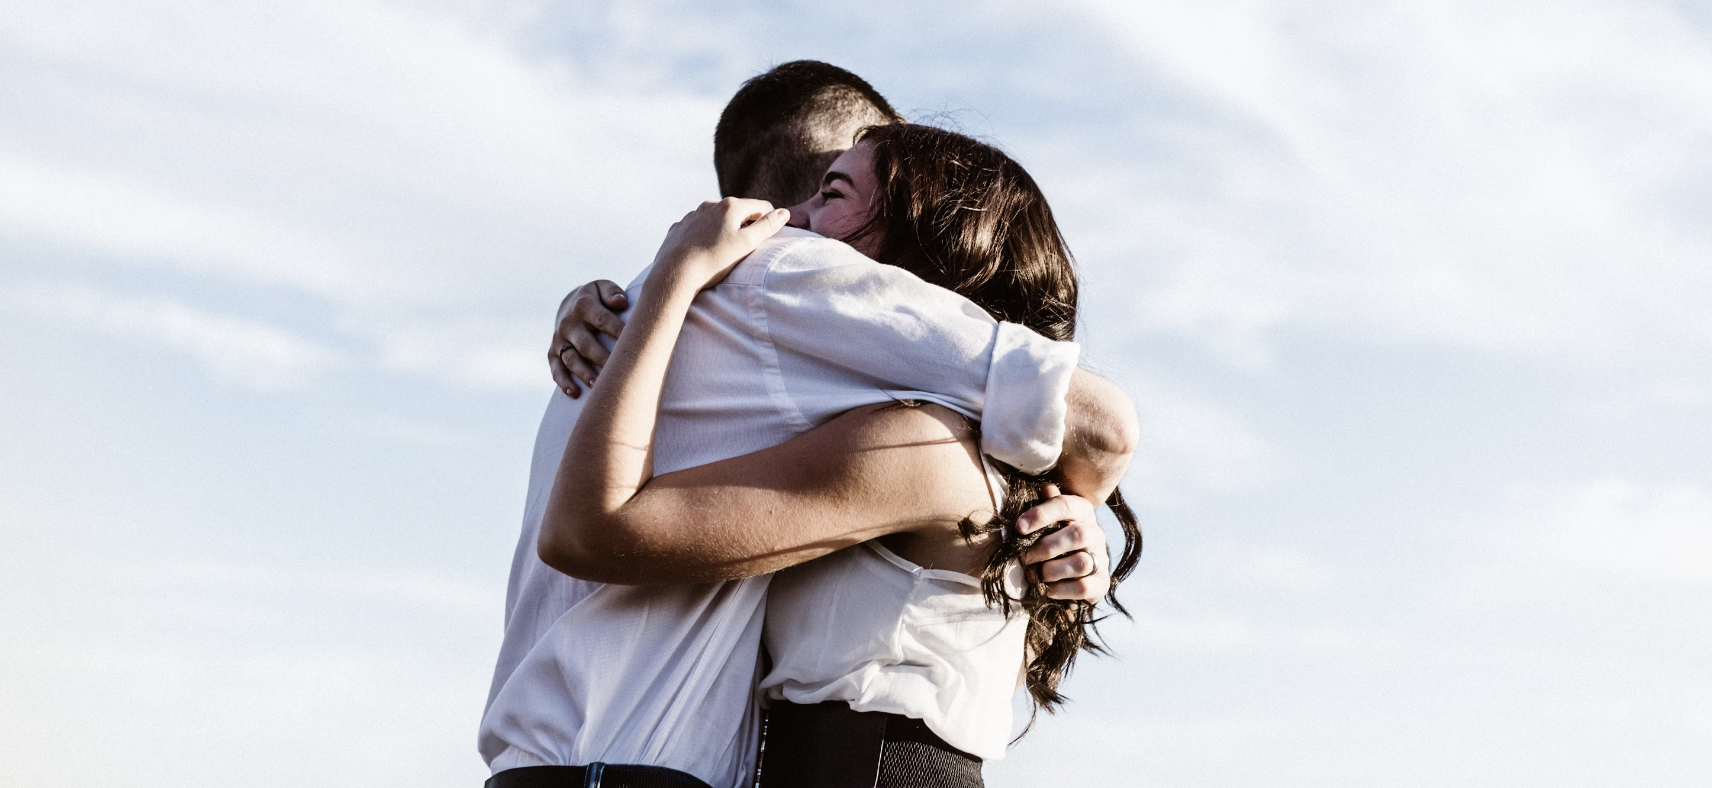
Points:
802	330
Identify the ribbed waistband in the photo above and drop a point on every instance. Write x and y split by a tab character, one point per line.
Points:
827	745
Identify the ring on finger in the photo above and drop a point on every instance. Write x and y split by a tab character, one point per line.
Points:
1093	564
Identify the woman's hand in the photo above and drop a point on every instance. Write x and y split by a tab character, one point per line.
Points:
703	246
1073	561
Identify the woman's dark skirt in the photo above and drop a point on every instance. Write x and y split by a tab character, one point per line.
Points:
826	745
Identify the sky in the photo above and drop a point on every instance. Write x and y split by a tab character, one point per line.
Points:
1410	297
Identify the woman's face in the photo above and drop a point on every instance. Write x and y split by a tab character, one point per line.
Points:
845	200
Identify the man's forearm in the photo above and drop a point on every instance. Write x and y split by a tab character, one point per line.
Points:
1100	434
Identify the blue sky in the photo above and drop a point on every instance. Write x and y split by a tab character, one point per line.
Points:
1410	297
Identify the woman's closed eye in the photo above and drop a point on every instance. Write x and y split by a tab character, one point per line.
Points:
831	194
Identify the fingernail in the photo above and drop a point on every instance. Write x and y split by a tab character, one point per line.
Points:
592	379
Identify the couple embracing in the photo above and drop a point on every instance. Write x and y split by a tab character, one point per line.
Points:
837	478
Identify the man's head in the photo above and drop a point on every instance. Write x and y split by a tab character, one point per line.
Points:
783	127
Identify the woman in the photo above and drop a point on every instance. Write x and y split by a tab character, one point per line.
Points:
941	658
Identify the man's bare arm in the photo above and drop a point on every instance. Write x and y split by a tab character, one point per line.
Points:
873	471
1100	435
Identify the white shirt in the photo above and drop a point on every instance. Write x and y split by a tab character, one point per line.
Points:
868	627
799	332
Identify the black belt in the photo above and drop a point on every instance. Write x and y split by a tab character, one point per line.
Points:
594	775
827	745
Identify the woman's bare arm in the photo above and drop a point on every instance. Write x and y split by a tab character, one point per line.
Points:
872	472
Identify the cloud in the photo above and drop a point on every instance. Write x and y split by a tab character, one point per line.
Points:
1191	445
443	595
1616	527
294	714
361	152
238	349
1276	568
502	355
1514	178
128	221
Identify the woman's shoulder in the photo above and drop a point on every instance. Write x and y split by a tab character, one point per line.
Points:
916	423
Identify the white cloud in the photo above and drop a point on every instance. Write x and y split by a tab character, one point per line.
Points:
1190	445
470	352
101	214
412	433
356	151
1505	177
442	594
1273	567
1190	628
233	716
249	352
1616	527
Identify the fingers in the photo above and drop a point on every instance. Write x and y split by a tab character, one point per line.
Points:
584	312
561	375
732	211
613	296
744	210
1072	561
594	313
579	365
584	343
1053	510
762	226
1075	535
1087	589
754	220
1074	566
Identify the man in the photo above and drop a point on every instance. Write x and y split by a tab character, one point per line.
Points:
661	676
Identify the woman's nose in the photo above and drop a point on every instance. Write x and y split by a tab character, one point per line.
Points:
799	215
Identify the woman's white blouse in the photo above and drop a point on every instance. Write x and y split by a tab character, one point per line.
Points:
868	627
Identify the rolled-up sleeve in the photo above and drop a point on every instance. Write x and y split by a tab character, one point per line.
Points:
1023	419
822	306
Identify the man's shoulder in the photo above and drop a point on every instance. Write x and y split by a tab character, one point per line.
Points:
795	251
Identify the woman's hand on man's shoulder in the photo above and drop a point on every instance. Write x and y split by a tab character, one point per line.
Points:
703	246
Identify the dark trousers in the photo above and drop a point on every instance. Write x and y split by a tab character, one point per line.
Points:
826	745
594	775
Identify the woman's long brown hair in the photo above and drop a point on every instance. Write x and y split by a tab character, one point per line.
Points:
962	215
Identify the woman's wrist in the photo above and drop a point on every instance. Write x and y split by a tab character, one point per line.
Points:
684	271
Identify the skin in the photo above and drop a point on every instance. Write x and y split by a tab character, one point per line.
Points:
906	475
845	200
1099	439
1100	428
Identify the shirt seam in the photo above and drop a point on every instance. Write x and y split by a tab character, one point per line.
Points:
772	372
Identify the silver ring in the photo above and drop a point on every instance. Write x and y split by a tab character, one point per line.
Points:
561	352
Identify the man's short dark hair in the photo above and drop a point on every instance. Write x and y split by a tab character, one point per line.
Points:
782	129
